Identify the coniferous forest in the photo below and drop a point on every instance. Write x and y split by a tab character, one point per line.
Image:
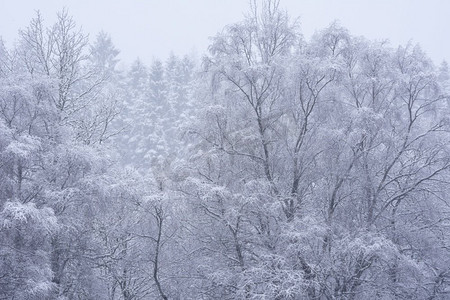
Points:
274	167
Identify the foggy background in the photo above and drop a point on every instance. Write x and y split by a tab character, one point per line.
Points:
151	28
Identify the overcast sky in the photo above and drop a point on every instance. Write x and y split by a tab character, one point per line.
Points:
153	28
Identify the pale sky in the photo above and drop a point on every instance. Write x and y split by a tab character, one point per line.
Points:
153	28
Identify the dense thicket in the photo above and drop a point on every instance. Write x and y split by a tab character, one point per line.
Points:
277	168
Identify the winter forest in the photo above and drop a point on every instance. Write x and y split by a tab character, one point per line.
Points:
273	167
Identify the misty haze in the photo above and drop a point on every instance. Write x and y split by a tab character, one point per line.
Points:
268	164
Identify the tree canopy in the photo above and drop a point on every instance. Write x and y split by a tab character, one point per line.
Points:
274	168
